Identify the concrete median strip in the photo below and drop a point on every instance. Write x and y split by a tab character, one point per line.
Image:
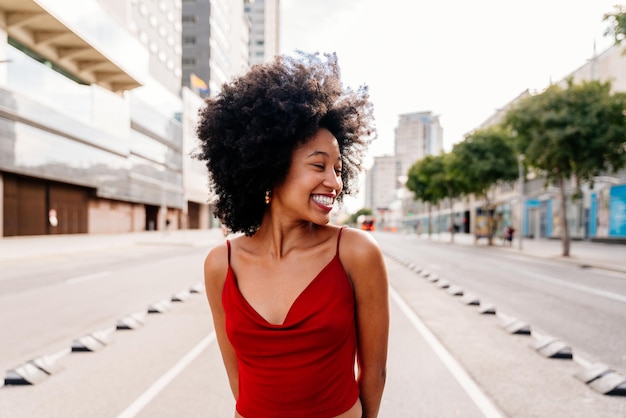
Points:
598	376
132	321
603	379
552	348
35	371
39	369
95	341
180	296
515	326
159	307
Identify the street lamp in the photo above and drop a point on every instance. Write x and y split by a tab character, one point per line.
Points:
520	170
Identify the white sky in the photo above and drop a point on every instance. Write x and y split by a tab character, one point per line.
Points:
460	59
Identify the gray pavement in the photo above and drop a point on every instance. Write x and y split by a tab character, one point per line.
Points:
433	359
32	246
582	253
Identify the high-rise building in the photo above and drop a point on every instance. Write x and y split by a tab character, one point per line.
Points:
417	135
264	29
215	35
382	183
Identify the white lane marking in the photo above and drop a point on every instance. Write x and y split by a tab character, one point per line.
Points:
87	277
582	288
467	383
146	397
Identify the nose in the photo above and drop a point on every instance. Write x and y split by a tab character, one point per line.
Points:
333	181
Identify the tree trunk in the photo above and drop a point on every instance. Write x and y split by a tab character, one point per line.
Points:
430	221
563	218
487	207
452	224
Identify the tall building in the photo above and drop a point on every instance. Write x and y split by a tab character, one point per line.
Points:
215	35
264	18
89	138
382	184
417	135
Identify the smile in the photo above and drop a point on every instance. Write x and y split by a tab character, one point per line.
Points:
323	200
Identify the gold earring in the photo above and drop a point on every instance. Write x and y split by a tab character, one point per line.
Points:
268	197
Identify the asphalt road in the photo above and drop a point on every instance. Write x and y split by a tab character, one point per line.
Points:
445	359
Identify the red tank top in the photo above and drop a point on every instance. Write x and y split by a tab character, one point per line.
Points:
304	367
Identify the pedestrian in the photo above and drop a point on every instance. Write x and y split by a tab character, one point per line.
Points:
296	301
508	235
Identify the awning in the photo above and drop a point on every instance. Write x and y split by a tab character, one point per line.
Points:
32	26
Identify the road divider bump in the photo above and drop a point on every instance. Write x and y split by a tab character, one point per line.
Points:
516	326
95	341
180	296
470	299
197	288
487	309
603	379
26	374
433	278
553	348
159	307
443	284
455	290
132	321
35	371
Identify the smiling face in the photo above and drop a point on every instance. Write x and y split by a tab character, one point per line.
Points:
313	181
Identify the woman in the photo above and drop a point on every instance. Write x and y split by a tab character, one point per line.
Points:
295	301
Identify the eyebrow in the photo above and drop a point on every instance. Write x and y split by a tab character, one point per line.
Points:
324	153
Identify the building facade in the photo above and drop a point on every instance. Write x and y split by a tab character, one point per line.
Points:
530	206
264	18
381	187
417	135
215	37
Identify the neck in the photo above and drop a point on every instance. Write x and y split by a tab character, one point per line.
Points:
280	237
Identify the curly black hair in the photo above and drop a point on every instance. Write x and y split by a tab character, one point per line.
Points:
250	130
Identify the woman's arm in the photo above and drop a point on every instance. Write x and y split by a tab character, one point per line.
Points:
215	270
365	266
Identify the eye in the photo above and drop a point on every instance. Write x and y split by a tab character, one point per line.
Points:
319	166
338	170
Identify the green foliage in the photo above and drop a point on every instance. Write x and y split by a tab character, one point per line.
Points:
355	216
617	21
426	179
575	131
483	159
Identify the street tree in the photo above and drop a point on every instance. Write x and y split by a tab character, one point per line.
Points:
426	179
574	132
483	159
353	219
455	184
617	22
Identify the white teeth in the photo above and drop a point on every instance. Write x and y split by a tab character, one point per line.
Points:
324	200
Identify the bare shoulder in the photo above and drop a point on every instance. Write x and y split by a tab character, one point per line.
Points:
216	267
359	252
358	245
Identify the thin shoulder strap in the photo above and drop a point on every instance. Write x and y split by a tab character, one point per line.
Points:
339	237
228	246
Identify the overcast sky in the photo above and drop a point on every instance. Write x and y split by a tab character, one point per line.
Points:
457	58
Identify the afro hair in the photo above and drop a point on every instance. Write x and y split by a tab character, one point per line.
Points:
248	132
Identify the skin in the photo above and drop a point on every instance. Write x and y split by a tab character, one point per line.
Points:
294	242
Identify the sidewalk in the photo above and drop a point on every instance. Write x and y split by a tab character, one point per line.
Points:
582	253
30	246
